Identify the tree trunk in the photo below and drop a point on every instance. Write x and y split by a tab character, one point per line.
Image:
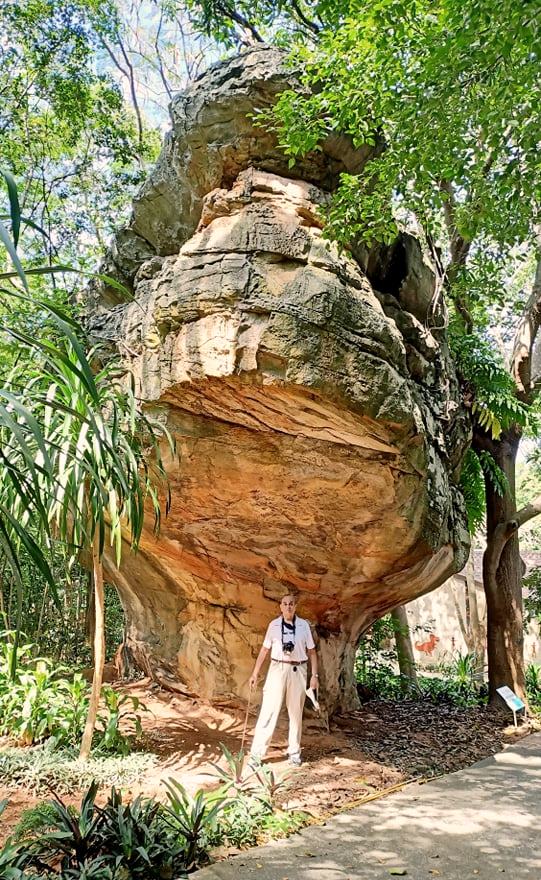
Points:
477	630
90	617
404	647
502	574
99	651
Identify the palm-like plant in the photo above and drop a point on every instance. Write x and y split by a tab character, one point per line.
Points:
78	459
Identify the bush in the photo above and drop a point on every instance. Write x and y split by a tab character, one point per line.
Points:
194	818
109	736
34	821
375	672
451	691
44	701
249	813
143	838
118	840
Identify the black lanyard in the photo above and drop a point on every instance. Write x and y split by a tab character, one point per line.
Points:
291	628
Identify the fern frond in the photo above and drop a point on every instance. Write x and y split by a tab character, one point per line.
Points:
472	484
494	473
495	406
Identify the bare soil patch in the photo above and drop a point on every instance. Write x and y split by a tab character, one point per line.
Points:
360	755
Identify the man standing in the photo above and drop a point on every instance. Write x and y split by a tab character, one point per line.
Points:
289	642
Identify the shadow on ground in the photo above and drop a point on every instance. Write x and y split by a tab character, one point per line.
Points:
481	822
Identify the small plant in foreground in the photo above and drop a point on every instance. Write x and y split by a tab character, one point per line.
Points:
73	837
121	840
269	785
194	817
232	776
119	708
140	839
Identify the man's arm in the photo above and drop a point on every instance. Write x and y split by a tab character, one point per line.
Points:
314	679
261	657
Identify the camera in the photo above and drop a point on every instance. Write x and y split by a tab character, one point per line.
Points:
287	647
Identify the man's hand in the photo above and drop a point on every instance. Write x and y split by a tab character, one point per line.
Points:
314	682
253	680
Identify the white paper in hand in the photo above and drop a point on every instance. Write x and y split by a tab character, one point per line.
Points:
312	696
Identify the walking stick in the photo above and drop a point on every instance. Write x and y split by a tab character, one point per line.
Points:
246	720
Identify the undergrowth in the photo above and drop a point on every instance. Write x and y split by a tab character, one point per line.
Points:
39	768
146	838
41	700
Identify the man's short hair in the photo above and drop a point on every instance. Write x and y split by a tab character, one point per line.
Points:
289	596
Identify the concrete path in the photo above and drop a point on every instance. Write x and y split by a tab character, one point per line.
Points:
483	822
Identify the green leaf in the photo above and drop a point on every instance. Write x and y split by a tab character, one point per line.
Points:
8	244
15	211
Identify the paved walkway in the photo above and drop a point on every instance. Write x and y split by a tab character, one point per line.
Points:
483	822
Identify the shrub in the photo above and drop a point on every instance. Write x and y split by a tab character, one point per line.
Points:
119	707
194	818
249	811
34	821
43	767
375	672
142	838
451	691
46	701
40	702
137	833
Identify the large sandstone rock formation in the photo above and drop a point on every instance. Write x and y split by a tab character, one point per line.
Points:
317	416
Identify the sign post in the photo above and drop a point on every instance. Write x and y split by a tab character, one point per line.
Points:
511	699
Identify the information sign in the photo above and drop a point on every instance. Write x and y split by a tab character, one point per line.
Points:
510	697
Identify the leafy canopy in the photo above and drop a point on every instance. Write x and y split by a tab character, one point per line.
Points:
452	91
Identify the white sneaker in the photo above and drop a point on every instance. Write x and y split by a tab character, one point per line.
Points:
295	760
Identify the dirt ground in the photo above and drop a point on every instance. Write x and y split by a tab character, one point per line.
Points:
360	755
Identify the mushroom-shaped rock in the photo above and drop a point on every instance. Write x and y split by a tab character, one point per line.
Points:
319	433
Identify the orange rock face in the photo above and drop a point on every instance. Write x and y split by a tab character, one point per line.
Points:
319	433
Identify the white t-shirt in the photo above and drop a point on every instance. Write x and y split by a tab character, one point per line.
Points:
302	639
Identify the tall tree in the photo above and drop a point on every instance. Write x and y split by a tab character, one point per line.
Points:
404	648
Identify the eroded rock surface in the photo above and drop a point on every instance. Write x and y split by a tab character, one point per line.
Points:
213	137
318	426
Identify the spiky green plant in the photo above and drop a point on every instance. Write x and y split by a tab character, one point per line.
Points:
78	458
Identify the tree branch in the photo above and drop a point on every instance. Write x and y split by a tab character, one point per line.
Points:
528	512
239	19
311	25
504	531
526	334
459	248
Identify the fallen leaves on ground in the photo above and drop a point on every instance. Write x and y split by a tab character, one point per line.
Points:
420	738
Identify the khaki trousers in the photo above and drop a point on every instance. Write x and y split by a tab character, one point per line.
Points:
283	679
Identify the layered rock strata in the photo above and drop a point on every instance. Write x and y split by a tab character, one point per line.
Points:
317	419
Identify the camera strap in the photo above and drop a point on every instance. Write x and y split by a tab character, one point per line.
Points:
288	629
